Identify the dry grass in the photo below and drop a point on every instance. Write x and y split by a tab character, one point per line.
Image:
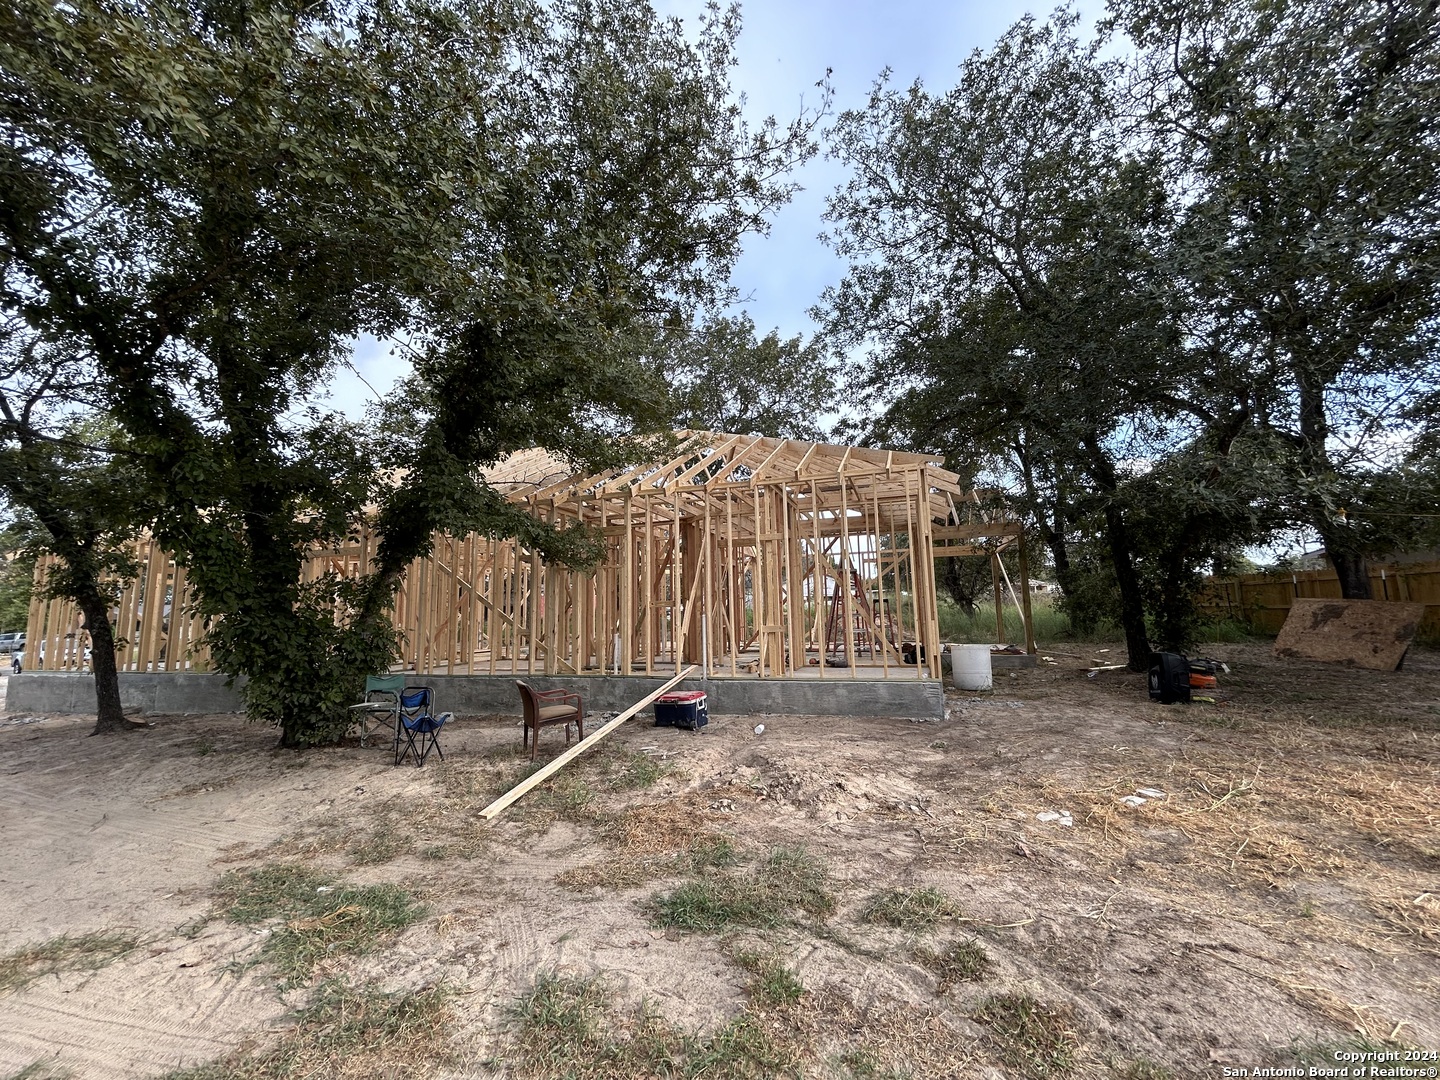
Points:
85	952
571	1028
316	918
349	1033
1040	1040
1261	806
652	841
913	910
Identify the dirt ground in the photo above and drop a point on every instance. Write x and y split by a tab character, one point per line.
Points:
1280	900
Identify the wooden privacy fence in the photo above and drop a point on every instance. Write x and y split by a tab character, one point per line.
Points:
745	555
1262	601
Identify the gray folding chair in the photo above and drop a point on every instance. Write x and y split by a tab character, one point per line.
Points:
381	708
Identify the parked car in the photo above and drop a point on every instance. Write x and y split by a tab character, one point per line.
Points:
67	653
12	643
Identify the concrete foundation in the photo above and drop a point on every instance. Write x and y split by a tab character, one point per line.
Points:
182	692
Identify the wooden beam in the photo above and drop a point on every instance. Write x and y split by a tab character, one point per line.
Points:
1025	599
490	812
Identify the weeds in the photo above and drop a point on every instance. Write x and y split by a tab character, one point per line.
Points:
960	961
268	892
1322	1055
773	984
1032	1037
864	1065
349	1033
654	840
41	1070
630	770
1140	1069
788	882
322	918
87	952
914	910
744	1049
380	846
566	1028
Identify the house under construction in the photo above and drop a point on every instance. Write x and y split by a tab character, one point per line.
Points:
768	558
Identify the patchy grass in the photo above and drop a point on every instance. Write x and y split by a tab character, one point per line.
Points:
652	841
381	846
788	882
913	910
960	961
1321	1055
1035	1038
268	892
630	770
41	1070
349	1033
84	952
1139	1069
321	917
746	1048
773	984
566	1027
863	1064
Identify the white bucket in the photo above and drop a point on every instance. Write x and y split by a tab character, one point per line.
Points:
970	666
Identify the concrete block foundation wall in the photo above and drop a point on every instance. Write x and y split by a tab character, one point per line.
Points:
162	693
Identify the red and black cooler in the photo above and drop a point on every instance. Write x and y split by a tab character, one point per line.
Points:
686	709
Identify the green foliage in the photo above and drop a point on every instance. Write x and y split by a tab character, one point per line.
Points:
1176	300
208	205
1311	238
724	378
17	579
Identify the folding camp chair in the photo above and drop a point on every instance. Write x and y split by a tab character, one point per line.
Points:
543	707
381	706
418	731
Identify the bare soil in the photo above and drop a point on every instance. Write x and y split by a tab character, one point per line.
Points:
1283	894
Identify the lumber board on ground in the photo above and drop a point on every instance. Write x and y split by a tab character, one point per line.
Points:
490	812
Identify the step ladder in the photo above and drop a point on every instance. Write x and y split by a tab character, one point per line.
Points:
859	638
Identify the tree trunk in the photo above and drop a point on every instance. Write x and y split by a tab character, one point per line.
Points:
1174	607
1353	573
109	717
1132	604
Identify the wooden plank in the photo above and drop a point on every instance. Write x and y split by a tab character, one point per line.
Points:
627	590
1025	599
999	598
914	587
532	781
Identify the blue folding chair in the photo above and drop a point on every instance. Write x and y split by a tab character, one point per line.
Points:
418	730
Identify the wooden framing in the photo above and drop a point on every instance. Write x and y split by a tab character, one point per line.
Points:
737	555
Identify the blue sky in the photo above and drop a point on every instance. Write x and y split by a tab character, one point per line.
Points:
784	48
